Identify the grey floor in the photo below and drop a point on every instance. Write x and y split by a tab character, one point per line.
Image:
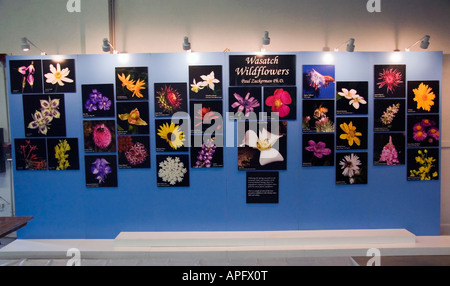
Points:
300	261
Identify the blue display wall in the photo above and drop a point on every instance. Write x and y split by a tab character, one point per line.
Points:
215	200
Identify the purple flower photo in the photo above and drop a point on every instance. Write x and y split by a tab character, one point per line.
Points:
98	100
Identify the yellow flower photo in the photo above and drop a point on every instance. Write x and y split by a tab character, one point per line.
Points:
172	134
424	96
350	134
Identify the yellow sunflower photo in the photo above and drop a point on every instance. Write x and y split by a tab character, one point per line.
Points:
172	134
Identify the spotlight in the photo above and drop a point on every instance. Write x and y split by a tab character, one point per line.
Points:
424	43
266	39
107	46
186	45
350	46
26	46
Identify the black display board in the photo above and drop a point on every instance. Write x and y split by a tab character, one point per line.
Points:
262	187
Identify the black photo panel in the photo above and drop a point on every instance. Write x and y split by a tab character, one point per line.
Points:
206	116
319	82
389	115
206	151
172	170
98	100
44	115
318	150
262	145
170	98
134	152
352	98
133	118
59	76
99	136
423	164
423	96
172	136
132	83
389	149
63	154
101	171
244	102
318	116
205	82
282	100
390	81
351	168
423	130
351	133
31	154
25	76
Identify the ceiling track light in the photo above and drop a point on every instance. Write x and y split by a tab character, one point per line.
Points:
424	43
108	47
26	46
265	41
186	45
350	45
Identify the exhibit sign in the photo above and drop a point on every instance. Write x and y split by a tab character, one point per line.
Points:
262	70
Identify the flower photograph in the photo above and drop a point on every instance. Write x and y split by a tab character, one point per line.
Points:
98	100
351	168
44	115
31	154
25	76
59	76
101	171
133	152
318	81
352	98
262	145
171	136
132	83
389	149
206	116
390	81
318	150
423	96
172	170
423	164
318	116
389	115
244	102
423	130
205	82
99	136
132	118
351	133
206	151
63	154
170	98
282	100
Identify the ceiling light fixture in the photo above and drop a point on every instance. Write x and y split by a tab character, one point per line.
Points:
186	45
350	45
26	46
107	46
424	43
265	41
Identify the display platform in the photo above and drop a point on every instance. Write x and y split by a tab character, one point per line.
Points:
264	238
355	246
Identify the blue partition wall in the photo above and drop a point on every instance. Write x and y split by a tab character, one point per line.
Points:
309	198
